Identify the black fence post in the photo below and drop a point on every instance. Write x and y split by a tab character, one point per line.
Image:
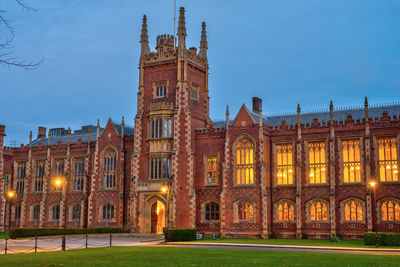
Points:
35	244
63	243
86	241
5	249
110	240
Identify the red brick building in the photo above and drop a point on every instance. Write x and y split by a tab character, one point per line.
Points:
294	175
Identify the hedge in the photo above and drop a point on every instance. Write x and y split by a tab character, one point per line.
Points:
30	232
384	239
179	234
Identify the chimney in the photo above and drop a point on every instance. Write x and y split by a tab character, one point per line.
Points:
257	104
41	132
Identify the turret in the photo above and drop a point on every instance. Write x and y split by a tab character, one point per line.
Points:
203	42
182	30
144	38
331	112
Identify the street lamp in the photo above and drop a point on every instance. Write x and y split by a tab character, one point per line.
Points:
58	181
373	186
10	195
167	189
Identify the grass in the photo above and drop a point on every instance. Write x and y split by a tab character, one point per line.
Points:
168	256
3	235
295	242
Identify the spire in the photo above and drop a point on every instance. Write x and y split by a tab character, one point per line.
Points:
182	29
144	38
69	136
331	112
298	115
49	137
122	126
366	109
98	129
30	138
89	134
227	116
203	42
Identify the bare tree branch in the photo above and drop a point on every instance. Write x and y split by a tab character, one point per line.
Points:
6	56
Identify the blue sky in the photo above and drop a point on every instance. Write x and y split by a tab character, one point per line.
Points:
283	51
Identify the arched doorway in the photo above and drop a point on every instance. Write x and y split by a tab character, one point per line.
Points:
157	217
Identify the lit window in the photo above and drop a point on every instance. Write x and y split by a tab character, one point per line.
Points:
285	211
109	169
318	211
317	163
79	171
159	167
211	169
284	164
351	161
108	212
244	161
390	211
353	211
39	174
245	211
212	211
388	165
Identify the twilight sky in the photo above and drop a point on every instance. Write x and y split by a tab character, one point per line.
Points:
283	51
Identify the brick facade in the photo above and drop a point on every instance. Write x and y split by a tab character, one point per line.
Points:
173	86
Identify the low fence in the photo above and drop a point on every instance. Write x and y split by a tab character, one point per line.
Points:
42	244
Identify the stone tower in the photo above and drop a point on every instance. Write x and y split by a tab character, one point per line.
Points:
172	100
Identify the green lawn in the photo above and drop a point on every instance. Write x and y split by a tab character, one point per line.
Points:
296	242
3	235
169	256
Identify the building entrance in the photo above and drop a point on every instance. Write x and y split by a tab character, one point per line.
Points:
157	217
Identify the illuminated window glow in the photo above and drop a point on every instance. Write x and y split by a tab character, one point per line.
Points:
284	164
387	162
353	211
317	163
390	211
245	211
244	161
351	161
319	211
286	211
212	164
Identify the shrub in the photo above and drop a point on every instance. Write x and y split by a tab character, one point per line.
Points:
180	234
30	232
384	239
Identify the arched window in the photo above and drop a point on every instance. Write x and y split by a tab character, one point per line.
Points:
284	164
76	212
55	212
285	210
390	211
79	171
212	211
109	168
353	211
108	212
318	210
387	160
351	161
244	161
245	211
317	162
39	174
35	212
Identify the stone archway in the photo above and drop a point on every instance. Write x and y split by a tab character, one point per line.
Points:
152	215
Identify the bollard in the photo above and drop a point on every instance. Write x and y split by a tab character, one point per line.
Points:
110	240
63	243
86	241
5	249
35	244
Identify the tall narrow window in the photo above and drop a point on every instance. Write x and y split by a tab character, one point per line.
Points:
212	211
284	164
108	212
244	161
318	211
351	161
55	212
285	211
160	89
39	174
245	211
79	171
17	212
387	162
194	92
390	211
35	212
159	167
109	168
211	169
21	174
317	163
76	212
353	211
58	169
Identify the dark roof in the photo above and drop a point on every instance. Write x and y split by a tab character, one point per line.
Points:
79	134
340	114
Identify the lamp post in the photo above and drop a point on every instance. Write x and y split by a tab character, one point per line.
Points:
58	182
10	195
167	189
373	185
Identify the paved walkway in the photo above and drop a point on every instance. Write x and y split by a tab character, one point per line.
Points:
53	243
321	249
